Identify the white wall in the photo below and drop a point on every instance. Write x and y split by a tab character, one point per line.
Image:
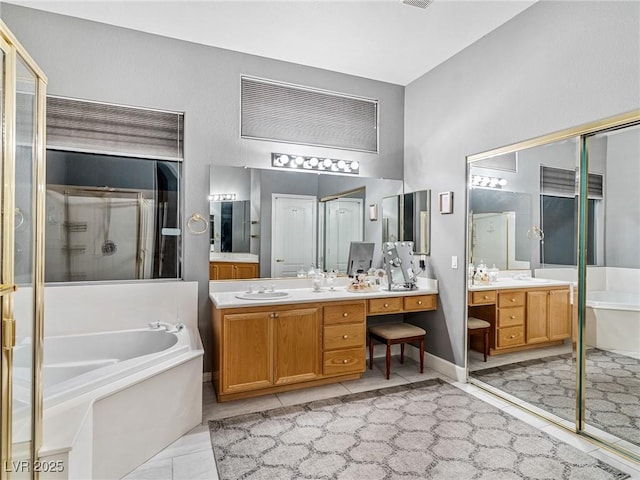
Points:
554	66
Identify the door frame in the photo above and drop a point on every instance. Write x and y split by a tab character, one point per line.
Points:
14	50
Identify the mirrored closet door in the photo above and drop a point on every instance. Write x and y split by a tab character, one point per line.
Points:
554	274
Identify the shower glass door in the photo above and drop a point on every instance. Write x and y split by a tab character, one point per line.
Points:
21	257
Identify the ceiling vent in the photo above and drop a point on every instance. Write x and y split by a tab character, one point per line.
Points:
307	116
418	3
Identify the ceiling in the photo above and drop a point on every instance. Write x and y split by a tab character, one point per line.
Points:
383	40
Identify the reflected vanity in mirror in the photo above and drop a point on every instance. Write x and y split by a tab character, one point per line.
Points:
555	217
406	217
299	219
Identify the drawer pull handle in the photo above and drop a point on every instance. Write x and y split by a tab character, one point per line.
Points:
419	302
486	297
345	361
512	336
513	299
345	314
345	336
386	305
513	317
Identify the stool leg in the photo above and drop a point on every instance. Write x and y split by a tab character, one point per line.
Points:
370	353
388	359
422	355
402	353
486	344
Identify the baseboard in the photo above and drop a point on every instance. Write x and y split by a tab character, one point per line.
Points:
438	364
206	377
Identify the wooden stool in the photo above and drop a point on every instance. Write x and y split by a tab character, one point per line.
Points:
396	333
475	326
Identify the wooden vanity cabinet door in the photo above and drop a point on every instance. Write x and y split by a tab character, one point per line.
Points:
297	345
245	270
559	314
247	353
537	316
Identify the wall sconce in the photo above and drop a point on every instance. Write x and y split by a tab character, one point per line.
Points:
222	197
299	162
373	212
487	182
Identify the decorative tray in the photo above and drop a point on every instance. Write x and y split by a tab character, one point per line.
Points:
358	288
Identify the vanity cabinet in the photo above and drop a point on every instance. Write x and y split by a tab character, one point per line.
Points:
523	318
232	270
267	347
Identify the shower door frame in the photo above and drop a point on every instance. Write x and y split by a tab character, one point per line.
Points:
581	133
14	50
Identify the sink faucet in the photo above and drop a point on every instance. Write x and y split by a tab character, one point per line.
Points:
166	326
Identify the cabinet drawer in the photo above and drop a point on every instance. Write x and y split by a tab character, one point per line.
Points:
511	299
420	302
343	361
509	317
482	298
510	337
344	336
348	313
385	305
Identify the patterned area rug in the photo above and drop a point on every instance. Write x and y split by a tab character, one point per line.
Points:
612	388
425	430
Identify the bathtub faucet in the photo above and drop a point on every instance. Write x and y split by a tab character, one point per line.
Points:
166	326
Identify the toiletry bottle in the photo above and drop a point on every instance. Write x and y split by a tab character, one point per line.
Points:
471	271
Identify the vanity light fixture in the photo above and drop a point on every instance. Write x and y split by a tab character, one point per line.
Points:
487	182
222	197
282	160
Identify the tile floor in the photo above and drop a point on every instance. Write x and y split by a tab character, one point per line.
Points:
191	456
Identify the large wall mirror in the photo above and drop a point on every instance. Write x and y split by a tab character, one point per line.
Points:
294	220
561	222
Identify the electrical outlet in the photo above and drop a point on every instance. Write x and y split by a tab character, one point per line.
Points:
454	261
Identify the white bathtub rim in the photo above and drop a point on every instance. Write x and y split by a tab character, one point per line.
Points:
629	302
186	340
61	438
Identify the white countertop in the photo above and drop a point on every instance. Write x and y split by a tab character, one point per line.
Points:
228	299
520	282
233	257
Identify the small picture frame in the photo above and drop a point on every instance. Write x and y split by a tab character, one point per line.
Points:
445	202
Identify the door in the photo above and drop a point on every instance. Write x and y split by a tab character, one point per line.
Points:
344	224
248	351
537	316
297	345
22	102
293	234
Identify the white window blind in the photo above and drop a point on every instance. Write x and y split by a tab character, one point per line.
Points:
287	113
564	183
85	126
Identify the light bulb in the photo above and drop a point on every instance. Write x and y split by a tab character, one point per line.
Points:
327	162
284	159
299	160
313	161
354	165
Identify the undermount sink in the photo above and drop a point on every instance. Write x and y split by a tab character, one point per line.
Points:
262	295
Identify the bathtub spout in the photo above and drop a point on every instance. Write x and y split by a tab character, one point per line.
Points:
166	326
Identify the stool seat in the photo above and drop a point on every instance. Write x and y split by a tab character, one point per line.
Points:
479	327
394	333
473	323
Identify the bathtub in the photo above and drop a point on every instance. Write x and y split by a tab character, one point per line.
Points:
613	321
102	389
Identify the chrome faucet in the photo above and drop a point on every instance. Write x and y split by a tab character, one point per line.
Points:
166	326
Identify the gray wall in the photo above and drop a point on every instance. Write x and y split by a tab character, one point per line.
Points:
622	200
89	60
554	66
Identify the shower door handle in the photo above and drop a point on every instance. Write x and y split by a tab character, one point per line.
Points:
8	333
